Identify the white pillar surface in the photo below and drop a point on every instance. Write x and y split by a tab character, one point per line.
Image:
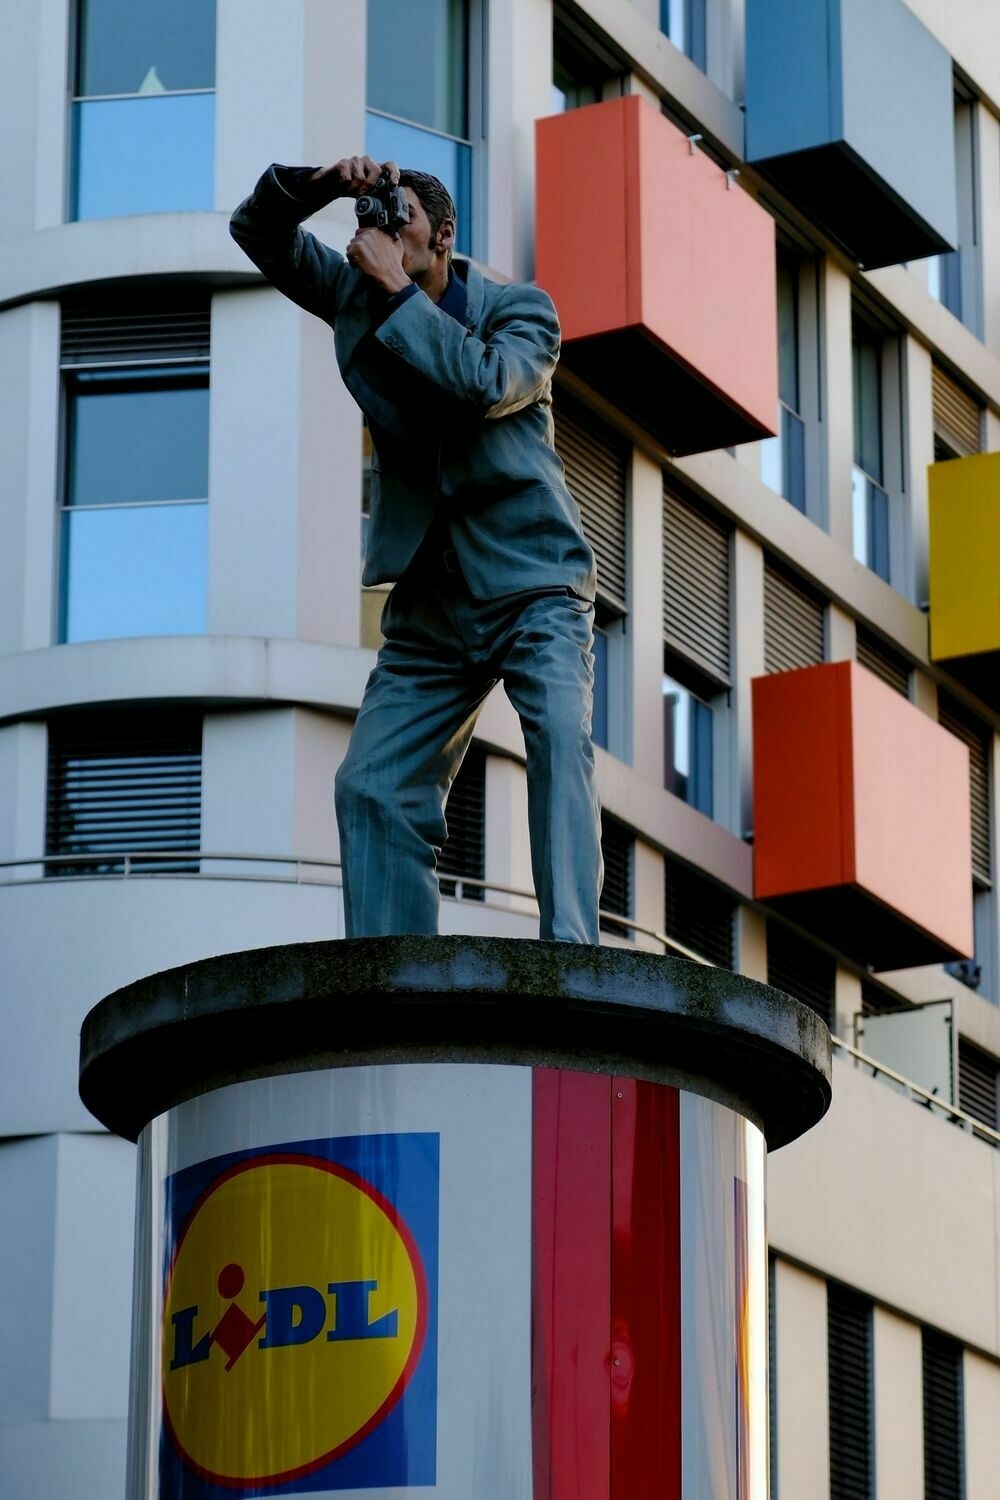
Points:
801	1395
33	86
982	1426
29	429
644	637
898	1382
649	902
508	851
22	808
518	92
284	476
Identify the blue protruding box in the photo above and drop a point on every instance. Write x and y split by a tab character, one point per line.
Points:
850	112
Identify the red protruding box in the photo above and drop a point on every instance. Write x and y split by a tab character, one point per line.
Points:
663	272
861	817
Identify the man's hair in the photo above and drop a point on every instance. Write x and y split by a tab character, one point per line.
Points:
435	198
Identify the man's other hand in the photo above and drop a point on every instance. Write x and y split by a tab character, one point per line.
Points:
379	257
355	175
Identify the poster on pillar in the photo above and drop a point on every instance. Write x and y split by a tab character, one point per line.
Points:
452	1279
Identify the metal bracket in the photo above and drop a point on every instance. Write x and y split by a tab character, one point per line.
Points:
731	177
693	142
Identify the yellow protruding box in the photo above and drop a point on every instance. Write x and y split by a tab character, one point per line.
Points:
964	497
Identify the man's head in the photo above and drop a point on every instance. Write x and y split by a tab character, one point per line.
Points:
429	238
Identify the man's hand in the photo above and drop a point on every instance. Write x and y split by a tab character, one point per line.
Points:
355	175
379	257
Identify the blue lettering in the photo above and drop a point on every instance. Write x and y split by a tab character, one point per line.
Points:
351	1313
186	1352
295	1314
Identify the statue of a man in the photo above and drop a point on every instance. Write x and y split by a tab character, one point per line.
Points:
471	519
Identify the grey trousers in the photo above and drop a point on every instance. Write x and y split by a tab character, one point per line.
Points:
444	651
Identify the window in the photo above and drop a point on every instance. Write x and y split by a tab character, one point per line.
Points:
144	107
880	658
794	621
877	474
979	973
584	71
955	278
423	94
783	458
464	850
135	481
688	736
944	1445
696	631
977	1083
595	460
801	969
685	23
617	845
849	1364
121	784
699	914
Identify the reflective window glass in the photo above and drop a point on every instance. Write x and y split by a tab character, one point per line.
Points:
685	24
867	353
136	438
145	46
418	62
151	154
422	151
134	570
600	723
687	731
788	330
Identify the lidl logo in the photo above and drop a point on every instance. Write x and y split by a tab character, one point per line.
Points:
299	1323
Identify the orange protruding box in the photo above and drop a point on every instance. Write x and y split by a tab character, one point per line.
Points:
861	817
663	273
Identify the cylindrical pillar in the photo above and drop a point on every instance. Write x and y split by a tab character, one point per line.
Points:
475	1217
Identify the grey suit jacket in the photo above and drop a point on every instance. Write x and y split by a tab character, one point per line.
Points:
460	417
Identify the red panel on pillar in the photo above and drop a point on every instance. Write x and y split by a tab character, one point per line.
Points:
646	1292
571	1285
861	817
663	274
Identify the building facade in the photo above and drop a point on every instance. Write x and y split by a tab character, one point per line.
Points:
777	260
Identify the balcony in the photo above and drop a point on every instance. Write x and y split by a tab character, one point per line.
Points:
849	111
964	497
663	273
861	817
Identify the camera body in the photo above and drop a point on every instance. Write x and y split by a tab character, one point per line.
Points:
385	207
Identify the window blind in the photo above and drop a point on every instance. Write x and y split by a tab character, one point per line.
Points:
793	622
594	458
977	1083
699	914
616	893
957	415
976	736
464	851
849	1362
800	969
696	585
943	1418
881	659
131	332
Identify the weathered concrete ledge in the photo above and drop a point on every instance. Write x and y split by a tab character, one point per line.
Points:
177	1034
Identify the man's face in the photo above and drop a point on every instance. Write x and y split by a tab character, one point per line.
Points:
421	246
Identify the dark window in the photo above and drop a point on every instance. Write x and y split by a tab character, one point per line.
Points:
954	278
616	894
870	497
873	653
584	69
783	458
802	970
600	724
464	850
699	914
144	122
849	1346
123	784
685	23
944	1458
977	1083
976	736
794	617
420	97
688	735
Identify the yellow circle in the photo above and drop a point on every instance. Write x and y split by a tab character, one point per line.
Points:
277	1411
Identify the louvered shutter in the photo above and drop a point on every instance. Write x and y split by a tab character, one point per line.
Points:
696	585
699	915
594	458
976	736
942	1401
887	664
977	1083
800	969
121	784
849	1361
130	332
793	622
616	893
957	415
464	850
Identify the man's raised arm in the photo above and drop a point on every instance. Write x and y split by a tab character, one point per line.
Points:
266	228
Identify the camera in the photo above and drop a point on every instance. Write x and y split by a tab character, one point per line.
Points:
385	207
